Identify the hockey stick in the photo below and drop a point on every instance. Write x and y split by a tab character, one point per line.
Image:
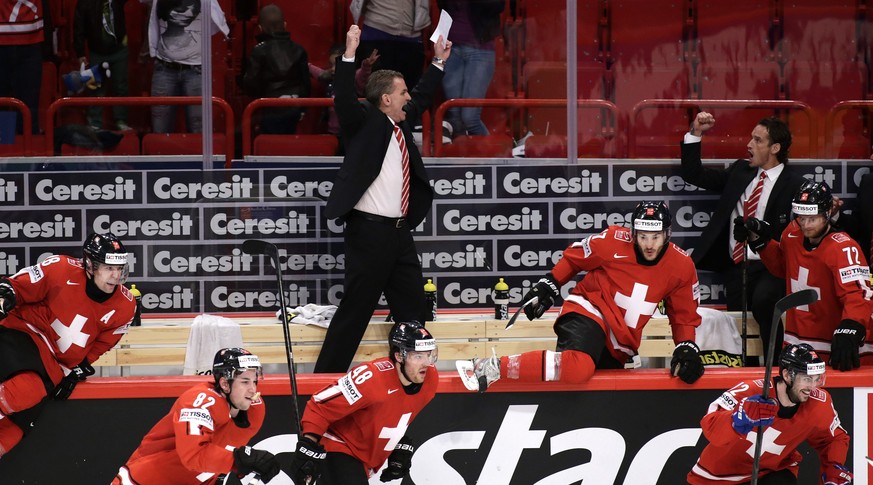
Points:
745	286
256	246
793	300
518	312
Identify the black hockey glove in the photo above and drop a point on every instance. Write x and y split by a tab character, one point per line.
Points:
308	461
546	290
247	459
7	298
65	387
686	362
741	234
228	479
845	346
761	230
399	461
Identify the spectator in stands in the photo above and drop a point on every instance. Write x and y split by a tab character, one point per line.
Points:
278	68
475	25
395	29
763	185
325	77
101	25
175	28
23	41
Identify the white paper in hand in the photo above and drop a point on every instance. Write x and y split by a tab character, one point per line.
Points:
443	27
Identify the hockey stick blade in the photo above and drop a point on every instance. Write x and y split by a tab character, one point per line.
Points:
518	312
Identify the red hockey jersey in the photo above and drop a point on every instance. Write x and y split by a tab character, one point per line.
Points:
728	456
67	326
21	22
837	271
366	412
194	443
624	294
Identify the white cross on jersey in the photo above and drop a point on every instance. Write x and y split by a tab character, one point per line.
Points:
393	435
802	283
635	305
72	334
768	443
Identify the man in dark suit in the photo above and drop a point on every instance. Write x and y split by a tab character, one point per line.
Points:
763	183
381	192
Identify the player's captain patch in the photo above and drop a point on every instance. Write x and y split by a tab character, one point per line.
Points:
197	417
349	389
854	273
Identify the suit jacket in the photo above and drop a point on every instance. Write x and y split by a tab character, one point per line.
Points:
366	133
712	251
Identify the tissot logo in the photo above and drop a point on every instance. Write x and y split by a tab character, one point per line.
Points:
281	186
142	223
8	190
239	187
119	189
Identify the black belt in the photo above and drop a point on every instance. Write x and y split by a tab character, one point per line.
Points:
175	65
397	222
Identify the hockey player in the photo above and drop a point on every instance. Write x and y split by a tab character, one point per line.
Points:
812	254
802	411
352	426
58	317
202	440
602	320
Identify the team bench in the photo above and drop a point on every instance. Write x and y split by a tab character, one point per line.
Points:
163	342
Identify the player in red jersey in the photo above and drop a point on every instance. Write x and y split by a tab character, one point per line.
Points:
802	411
202	440
602	320
812	254
352	426
58	317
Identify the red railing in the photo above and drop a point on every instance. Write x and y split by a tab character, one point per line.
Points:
831	117
520	103
26	120
144	101
717	103
257	104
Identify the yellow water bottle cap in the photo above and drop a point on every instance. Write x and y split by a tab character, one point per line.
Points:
134	291
501	286
429	286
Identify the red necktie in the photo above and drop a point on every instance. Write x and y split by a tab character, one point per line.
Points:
404	155
749	208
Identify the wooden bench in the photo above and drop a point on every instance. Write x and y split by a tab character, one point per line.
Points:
161	343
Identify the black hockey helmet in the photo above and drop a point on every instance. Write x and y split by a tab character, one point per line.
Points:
651	216
411	336
812	198
230	363
801	359
104	249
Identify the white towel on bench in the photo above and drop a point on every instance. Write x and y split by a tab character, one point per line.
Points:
209	334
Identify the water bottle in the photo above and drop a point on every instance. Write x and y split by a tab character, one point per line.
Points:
430	298
501	300
137	316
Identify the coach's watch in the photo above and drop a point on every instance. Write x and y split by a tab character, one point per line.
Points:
439	62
